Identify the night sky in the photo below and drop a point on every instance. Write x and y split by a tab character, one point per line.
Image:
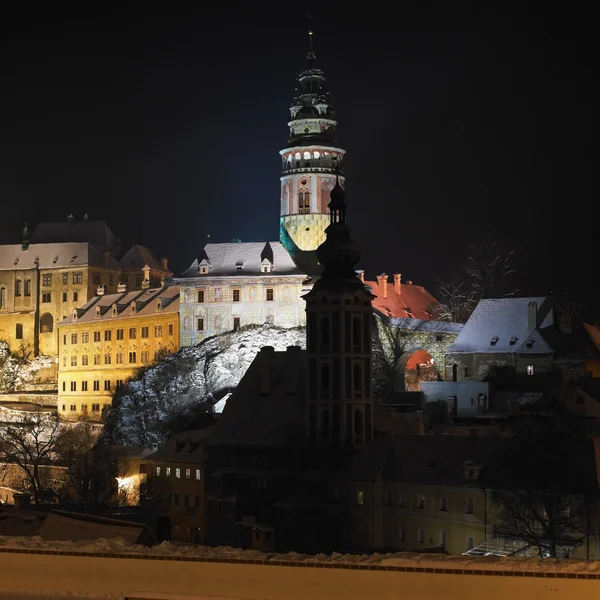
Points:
461	125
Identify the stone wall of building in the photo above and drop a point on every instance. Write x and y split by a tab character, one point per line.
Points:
221	312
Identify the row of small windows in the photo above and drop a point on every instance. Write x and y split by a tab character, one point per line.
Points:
236	295
120	334
173	500
400	501
442	538
77	278
200	323
306	159
95	407
132	357
168	471
95	385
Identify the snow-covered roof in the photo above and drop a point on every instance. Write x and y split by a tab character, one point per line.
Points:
54	256
243	259
420	324
185	447
502	326
267	407
145	302
137	257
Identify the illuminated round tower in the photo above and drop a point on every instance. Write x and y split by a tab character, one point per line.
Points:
309	163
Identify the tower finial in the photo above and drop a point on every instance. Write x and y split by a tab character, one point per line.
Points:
311	53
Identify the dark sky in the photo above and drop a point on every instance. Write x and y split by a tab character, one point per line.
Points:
461	124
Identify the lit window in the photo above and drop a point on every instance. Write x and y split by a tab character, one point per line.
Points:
145	356
168	472
360	497
158	471
198	474
119	358
177	473
158	331
530	370
188	473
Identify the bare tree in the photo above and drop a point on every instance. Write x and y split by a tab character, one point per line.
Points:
551	522
92	467
31	444
487	272
389	344
568	312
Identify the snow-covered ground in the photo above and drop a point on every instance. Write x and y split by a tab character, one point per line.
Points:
142	411
399	559
22	375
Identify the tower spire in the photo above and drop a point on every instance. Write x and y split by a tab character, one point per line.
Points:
311	53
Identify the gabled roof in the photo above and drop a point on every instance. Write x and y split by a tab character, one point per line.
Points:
276	417
145	302
243	259
185	447
93	232
412	301
54	256
503	463
495	323
137	257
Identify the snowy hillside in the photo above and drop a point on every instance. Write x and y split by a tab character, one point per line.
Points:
20	372
144	410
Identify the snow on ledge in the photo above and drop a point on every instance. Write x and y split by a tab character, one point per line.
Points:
391	559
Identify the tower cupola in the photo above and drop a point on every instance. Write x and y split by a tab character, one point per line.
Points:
310	162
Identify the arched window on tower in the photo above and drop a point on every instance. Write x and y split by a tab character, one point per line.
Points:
325	427
304	202
325	379
357	375
46	323
358	427
356	334
325	336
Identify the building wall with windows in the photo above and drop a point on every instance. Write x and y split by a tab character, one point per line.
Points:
103	343
234	285
174	491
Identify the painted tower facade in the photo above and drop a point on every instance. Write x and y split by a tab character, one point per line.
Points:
309	163
339	319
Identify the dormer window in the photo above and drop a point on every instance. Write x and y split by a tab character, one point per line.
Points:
73	258
266	266
529	343
203	267
239	265
114	310
16	261
513	340
494	340
55	260
97	312
472	470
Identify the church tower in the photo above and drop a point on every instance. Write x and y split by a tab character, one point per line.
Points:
338	329
309	163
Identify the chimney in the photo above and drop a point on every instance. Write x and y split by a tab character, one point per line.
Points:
398	283
85	218
25	242
70	218
361	275
100	290
146	284
531	316
409	282
122	287
382	281
265	370
164	264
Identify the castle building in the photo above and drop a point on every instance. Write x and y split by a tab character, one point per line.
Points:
309	165
237	284
58	269
104	342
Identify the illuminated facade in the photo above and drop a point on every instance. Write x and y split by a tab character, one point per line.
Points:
238	284
105	341
309	164
58	269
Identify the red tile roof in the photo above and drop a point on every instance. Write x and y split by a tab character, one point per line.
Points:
409	301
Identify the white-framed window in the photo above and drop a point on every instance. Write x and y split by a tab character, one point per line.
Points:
530	370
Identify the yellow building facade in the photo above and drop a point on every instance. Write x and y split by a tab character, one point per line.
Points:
103	343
